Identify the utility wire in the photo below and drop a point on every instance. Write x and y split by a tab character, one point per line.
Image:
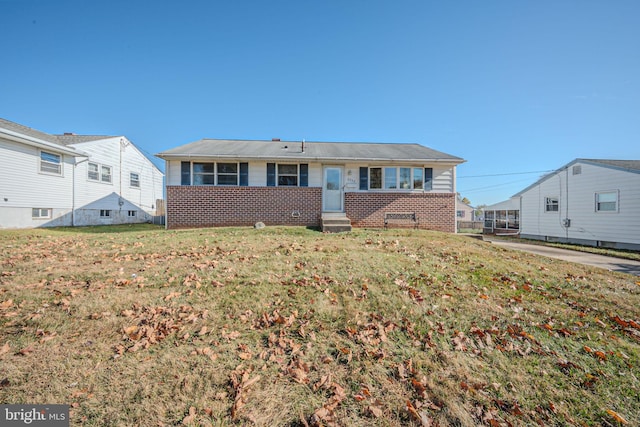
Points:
503	174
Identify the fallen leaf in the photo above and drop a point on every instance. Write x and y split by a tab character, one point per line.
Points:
375	410
5	348
619	418
191	417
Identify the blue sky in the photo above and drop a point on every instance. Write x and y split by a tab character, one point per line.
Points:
513	87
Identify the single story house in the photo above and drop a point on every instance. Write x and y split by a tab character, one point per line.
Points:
587	201
70	180
331	185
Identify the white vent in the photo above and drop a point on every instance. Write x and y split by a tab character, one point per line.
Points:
577	169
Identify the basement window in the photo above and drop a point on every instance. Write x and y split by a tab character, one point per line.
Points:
41	213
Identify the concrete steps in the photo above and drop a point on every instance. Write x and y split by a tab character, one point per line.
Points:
335	223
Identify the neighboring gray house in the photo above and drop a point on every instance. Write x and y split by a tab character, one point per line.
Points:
239	182
66	180
588	201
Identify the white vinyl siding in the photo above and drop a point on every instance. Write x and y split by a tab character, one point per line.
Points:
580	207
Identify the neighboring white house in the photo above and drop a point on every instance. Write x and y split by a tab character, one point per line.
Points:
71	180
590	202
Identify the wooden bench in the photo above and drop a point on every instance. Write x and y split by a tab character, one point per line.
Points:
400	216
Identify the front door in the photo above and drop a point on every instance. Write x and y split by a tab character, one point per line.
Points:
332	189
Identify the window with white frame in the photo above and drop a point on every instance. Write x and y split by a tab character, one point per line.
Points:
50	163
287	175
134	180
607	201
392	178
131	214
105	172
105	213
227	173
41	213
93	171
214	173
99	173
551	204
204	174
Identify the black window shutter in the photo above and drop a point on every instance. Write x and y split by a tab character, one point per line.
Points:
364	178
428	179
271	174
304	175
185	168
244	174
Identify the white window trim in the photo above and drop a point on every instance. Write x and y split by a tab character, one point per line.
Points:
59	164
595	202
278	174
100	178
216	182
107	214
131	181
397	168
546	205
237	174
42	217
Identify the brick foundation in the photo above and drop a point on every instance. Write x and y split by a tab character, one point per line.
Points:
216	206
434	211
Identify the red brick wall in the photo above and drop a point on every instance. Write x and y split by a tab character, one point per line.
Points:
434	211
211	206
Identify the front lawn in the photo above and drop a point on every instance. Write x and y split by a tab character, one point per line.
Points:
289	326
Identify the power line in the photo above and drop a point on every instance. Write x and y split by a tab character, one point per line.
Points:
503	174
490	186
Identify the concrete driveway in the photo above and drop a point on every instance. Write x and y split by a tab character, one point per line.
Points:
606	262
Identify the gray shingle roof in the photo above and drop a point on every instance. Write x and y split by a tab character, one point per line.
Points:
66	139
79	139
251	149
632	165
24	130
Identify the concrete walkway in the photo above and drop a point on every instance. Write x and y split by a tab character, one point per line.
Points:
601	261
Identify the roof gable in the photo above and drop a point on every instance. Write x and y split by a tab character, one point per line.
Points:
298	150
631	166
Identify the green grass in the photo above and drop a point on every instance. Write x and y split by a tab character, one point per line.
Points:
136	325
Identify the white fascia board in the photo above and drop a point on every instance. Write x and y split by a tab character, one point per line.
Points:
39	143
381	160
